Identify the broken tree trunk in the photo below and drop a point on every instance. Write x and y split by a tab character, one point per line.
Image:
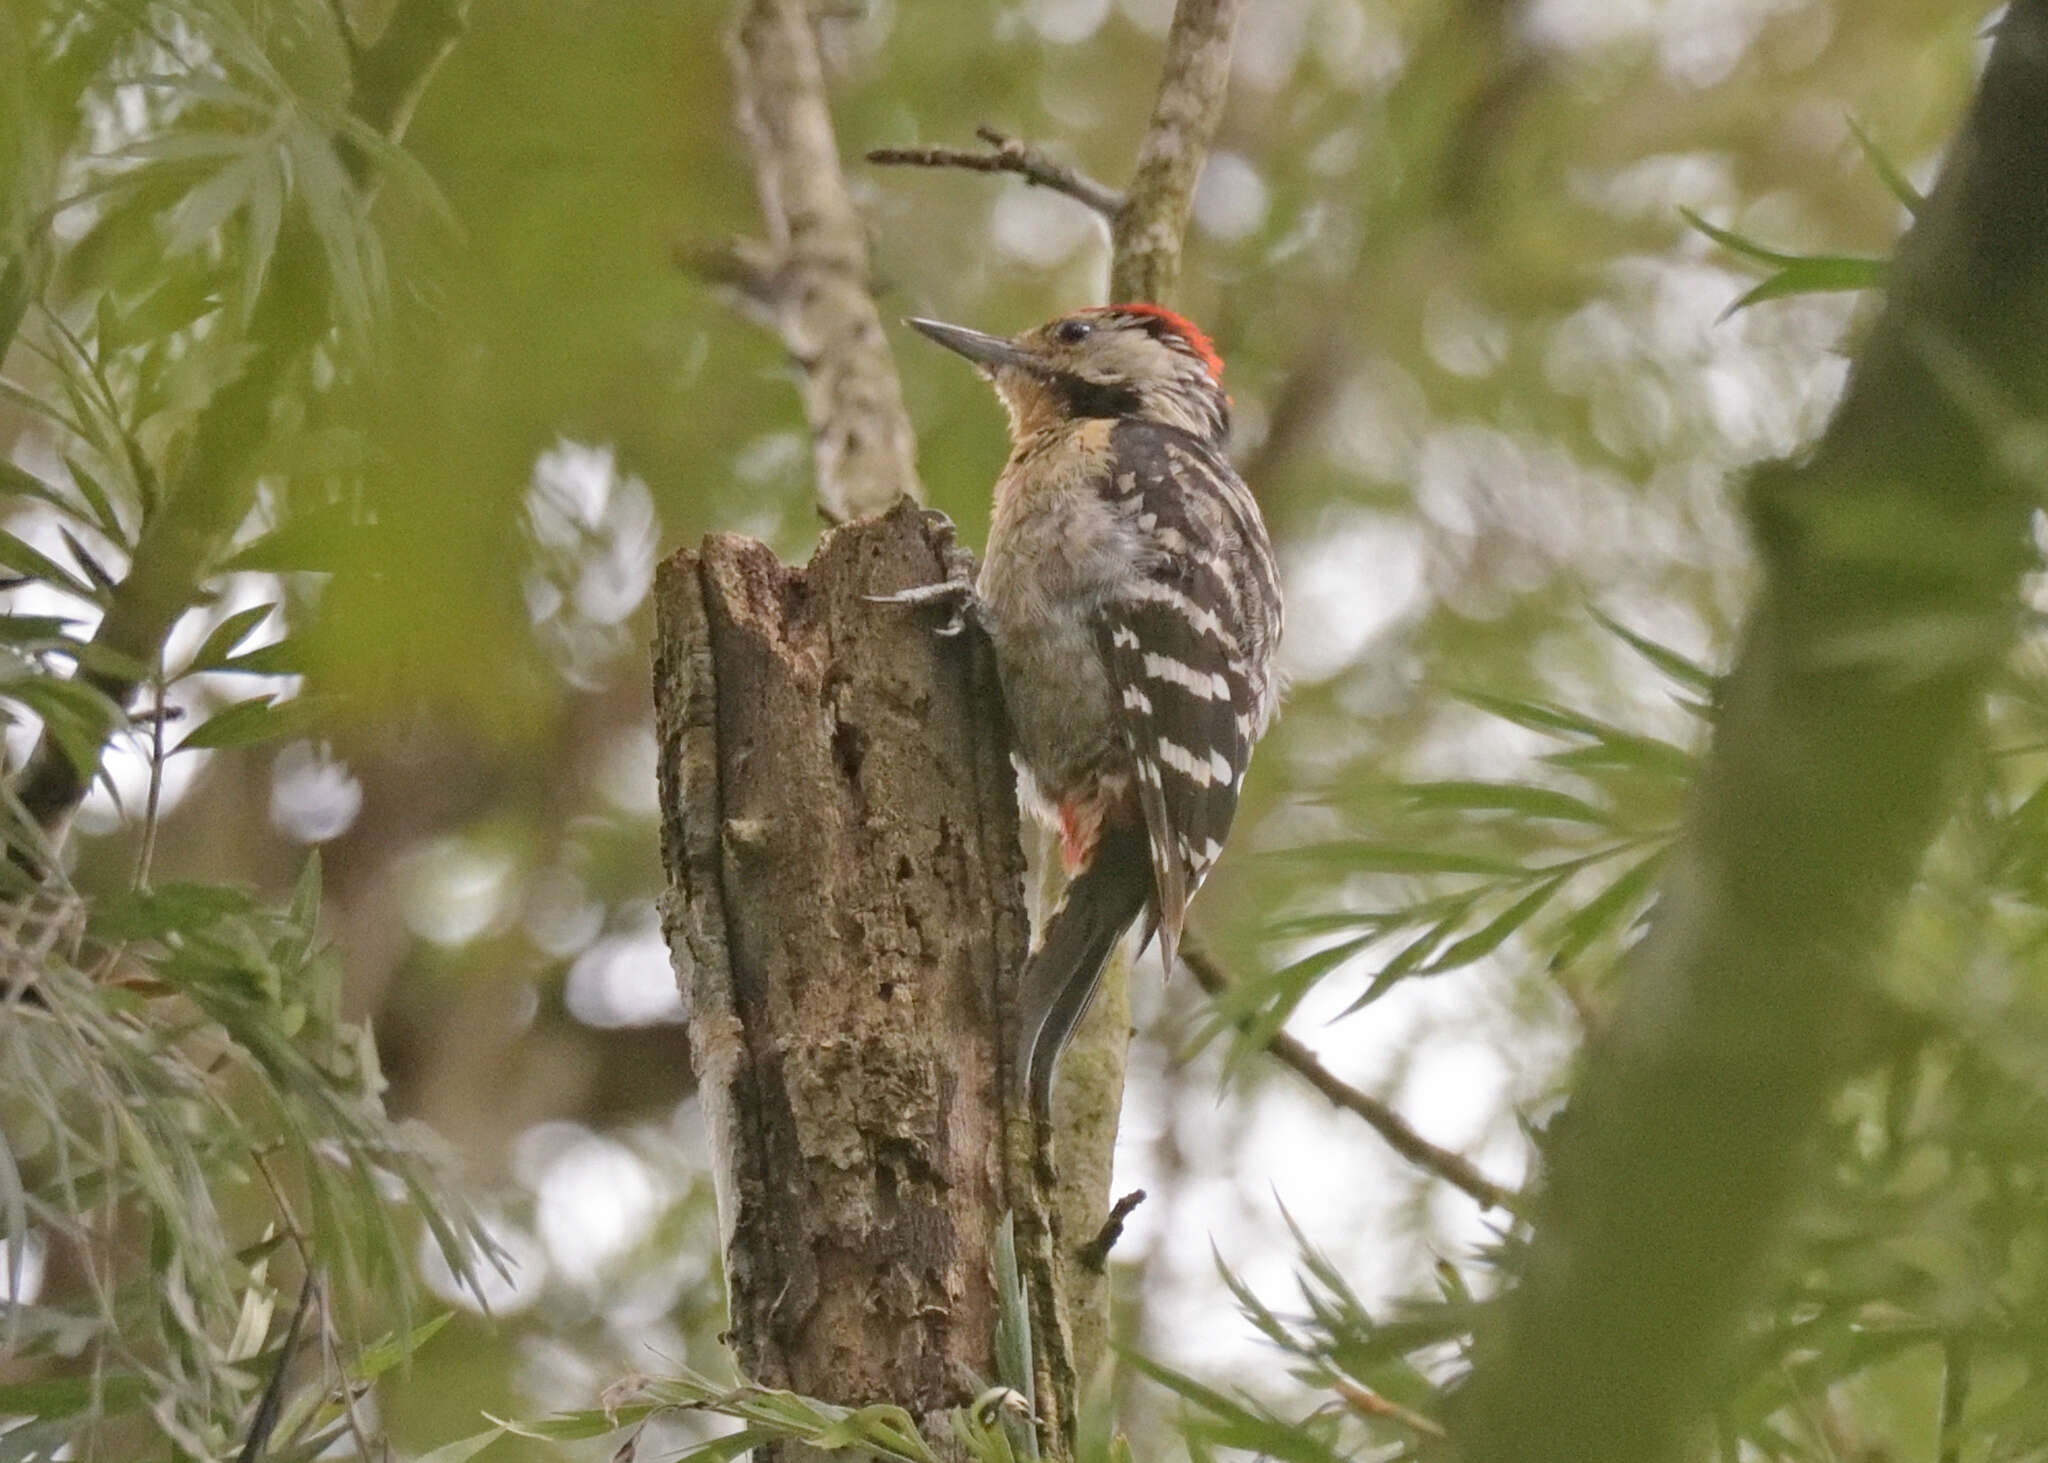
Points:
840	832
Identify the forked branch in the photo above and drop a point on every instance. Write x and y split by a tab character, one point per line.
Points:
817	260
1390	1125
1008	155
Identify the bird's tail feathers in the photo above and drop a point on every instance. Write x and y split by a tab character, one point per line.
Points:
1060	977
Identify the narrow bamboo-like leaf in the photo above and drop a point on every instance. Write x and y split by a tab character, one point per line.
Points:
1895	182
720	1450
1410	959
1736	243
67	1396
1490	936
380	1356
1603	911
462	1449
1365	856
225	638
1821	274
1536	715
24	558
569	1427
1260	1008
1687	672
266	216
29	401
1505	797
1013	1323
14	479
237	725
97	499
103	582
1627	750
278	658
180	302
80	718
35	632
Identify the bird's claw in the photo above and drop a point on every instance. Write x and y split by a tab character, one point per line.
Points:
955	596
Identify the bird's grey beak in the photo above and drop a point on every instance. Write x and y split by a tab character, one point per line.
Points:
983	350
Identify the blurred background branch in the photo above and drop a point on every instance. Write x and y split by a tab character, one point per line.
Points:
1383	1120
211	494
1837	755
861	442
1008	155
1146	235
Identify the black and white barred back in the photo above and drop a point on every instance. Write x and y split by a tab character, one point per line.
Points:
1131	593
1188	642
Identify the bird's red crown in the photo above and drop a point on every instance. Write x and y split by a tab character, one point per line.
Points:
1180	325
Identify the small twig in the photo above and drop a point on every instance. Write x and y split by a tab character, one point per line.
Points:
152	808
1095	1254
748	270
1008	155
1404	1140
1955	1396
271	1406
1368	1403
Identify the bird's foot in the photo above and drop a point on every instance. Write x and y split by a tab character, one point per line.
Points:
955	596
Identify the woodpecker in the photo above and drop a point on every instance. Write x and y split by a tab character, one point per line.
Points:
1130	592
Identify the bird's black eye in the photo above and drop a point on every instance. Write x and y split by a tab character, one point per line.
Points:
1071	332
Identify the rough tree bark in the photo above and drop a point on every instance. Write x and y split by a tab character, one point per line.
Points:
1892	558
840	830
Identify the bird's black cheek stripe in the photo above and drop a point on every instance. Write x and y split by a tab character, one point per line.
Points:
1085	398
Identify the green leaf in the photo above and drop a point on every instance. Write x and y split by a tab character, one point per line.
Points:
379	1357
180	302
68	1396
1737	244
1603	911
168	909
1688	673
15	479
1796	274
1542	716
1895	182
569	1427
1820	274
1366	856
223	640
278	658
79	717
257	719
1490	936
25	558
105	519
1627	750
1505	797
462	1449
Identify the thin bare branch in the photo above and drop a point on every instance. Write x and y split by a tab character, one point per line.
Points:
747	270
1008	155
1146	237
1095	1254
860	435
1404	1140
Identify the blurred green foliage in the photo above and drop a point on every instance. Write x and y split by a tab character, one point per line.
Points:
1488	397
